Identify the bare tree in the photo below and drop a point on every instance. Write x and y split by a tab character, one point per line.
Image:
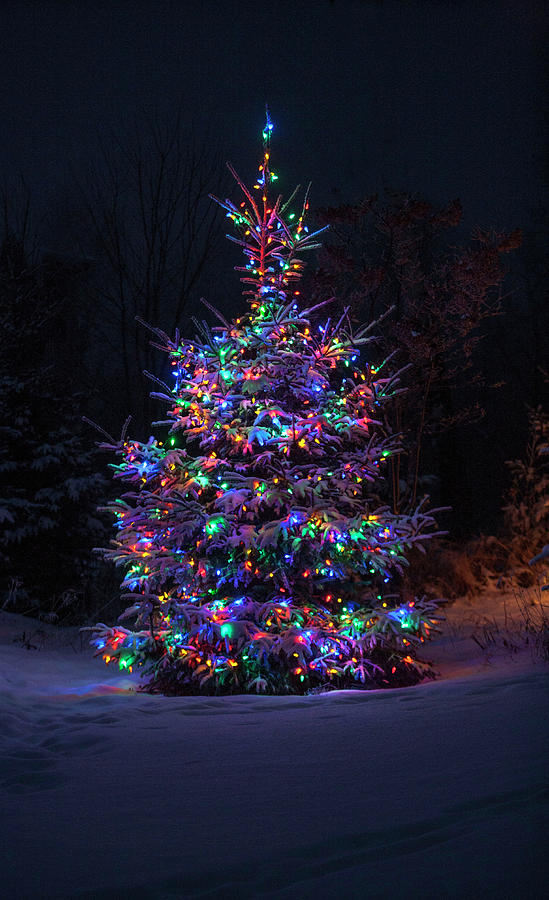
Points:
391	254
16	215
523	336
151	229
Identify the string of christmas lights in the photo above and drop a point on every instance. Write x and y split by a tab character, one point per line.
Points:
255	553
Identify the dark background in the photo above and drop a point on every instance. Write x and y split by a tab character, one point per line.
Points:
445	98
431	97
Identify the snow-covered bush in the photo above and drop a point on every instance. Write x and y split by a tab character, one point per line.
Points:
50	482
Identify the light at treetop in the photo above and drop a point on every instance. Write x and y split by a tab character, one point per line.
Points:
255	552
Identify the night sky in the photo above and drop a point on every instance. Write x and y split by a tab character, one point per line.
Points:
440	97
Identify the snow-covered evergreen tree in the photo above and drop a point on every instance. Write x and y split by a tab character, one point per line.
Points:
256	555
50	482
527	507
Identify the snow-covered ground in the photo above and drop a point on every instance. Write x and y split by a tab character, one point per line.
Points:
435	791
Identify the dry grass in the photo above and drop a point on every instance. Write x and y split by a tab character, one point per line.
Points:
512	622
453	570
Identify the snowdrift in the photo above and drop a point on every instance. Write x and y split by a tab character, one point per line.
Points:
435	791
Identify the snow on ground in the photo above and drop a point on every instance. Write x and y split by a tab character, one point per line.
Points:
435	791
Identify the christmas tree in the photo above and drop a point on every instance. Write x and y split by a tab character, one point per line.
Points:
257	555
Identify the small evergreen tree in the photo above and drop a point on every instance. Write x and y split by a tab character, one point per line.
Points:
50	483
255	551
527	507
